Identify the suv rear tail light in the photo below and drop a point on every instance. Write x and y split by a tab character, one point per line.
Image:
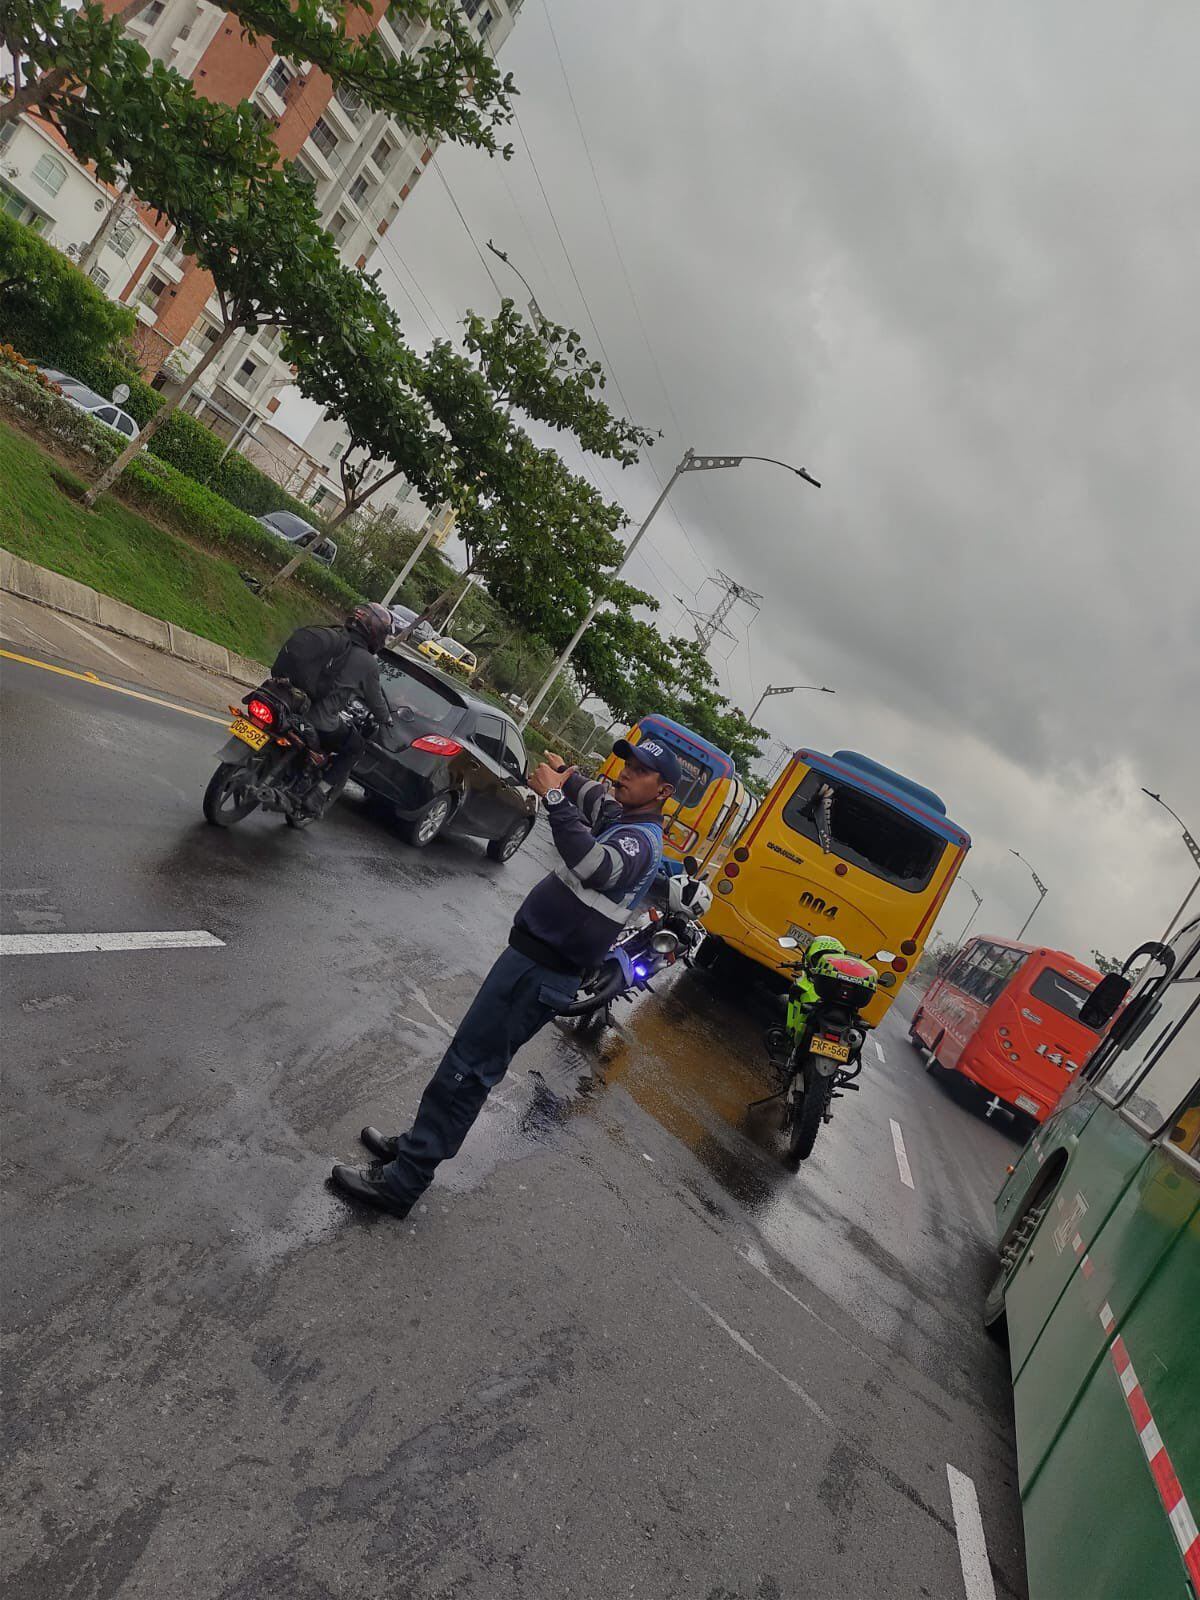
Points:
260	711
436	744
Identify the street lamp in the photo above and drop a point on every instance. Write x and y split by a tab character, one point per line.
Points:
690	463
1041	892
786	688
1195	850
978	902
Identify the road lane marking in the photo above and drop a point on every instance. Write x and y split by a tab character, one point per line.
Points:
116	688
972	1546
750	1252
879	1049
69	944
906	1176
744	1344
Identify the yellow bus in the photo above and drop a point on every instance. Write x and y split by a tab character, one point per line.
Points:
712	802
845	846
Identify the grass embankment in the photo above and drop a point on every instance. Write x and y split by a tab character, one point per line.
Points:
122	554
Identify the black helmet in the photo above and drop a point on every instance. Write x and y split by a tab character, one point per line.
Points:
373	624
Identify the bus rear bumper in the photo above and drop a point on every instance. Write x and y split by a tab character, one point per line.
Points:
1018	1092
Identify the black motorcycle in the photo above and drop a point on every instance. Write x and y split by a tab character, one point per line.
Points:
818	1050
273	758
669	931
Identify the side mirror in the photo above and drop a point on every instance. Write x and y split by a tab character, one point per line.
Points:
691	865
1102	1005
788	943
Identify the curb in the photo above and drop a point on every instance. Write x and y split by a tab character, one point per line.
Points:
56	593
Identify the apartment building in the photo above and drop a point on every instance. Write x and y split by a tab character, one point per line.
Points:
362	166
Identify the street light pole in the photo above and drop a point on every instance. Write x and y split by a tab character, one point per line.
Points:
690	463
1193	847
1041	893
978	903
786	688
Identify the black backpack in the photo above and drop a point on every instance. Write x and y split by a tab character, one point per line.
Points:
311	657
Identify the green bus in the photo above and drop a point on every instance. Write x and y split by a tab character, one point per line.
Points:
1098	1227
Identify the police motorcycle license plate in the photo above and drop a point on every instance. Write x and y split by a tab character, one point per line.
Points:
833	1048
248	733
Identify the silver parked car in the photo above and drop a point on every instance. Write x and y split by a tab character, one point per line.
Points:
95	405
405	617
287	525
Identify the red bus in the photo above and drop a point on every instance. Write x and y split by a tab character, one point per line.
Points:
1006	1016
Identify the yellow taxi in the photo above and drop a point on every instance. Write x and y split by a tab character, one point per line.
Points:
450	656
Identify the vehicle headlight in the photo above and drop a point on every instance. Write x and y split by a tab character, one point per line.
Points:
664	943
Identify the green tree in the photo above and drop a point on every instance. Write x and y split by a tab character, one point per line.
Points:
271	263
1105	964
451	89
42	293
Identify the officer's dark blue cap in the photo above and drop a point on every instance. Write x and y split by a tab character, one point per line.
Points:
651	753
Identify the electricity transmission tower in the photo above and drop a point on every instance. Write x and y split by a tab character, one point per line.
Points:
709	624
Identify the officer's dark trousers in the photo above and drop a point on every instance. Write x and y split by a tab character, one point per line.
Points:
517	999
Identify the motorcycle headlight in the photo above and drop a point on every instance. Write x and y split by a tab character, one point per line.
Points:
664	943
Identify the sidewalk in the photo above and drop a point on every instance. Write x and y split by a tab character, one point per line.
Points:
25	626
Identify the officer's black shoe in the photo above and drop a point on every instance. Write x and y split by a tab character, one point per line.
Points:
367	1185
383	1145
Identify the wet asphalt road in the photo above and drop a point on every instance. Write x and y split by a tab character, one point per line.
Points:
621	1351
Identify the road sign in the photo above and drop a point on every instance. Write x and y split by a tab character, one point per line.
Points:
120	394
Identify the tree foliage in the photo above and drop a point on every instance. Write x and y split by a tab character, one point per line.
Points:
450	89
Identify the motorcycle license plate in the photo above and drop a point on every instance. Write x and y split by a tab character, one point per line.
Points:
248	733
833	1048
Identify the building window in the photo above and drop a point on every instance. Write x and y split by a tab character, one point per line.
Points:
324	138
151	290
123	238
359	190
245	373
412	177
50	172
383	153
151	14
471	7
485	23
339	227
99	277
16	206
280	79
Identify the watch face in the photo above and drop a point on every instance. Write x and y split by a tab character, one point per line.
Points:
553	796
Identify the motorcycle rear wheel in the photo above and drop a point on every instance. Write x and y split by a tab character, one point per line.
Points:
221	807
804	1119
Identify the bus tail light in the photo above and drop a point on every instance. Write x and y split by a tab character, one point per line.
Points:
909	947
724	887
741	853
899	964
732	869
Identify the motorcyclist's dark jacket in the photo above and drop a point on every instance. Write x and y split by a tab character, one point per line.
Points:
569	920
332	666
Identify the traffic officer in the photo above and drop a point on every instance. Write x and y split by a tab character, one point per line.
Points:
611	849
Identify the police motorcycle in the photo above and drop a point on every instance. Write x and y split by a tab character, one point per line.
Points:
667	931
817	1052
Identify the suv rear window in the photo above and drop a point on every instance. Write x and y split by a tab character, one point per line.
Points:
866	832
1052	989
403	687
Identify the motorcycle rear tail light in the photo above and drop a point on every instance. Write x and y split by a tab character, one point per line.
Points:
436	744
260	711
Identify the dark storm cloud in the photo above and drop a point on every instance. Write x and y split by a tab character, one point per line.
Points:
947	258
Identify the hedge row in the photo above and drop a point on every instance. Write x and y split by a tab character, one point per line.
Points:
156	486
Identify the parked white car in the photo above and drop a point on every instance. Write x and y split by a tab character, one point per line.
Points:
85	399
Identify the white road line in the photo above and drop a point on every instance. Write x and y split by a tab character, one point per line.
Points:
69	944
972	1546
906	1176
92	640
744	1344
879	1049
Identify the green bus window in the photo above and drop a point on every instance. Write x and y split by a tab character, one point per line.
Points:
1171	1078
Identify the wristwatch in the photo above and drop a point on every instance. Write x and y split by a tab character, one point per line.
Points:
554	797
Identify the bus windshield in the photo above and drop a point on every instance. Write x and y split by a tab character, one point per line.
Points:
866	832
694	779
1053	989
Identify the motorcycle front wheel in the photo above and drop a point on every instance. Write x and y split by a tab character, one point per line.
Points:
222	804
805	1115
597	991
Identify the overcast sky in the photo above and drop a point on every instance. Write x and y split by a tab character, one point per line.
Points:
945	257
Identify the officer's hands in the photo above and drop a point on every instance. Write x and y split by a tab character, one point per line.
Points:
544	778
556	763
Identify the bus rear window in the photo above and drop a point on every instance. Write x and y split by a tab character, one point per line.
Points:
694	779
1052	989
865	832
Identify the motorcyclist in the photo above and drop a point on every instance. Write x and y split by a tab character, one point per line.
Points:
333	667
804	990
